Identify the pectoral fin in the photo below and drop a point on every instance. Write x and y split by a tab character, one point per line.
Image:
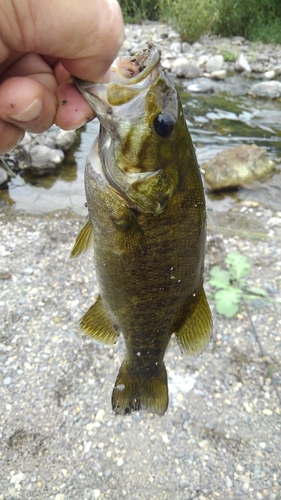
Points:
83	242
97	323
195	330
130	238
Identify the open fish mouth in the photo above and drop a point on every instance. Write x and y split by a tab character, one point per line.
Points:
127	77
134	69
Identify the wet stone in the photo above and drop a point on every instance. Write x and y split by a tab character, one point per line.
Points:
7	381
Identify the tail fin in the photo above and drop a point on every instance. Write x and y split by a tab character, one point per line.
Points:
133	394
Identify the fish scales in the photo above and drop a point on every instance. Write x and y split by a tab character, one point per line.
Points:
147	213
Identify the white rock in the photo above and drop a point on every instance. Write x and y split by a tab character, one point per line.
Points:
65	139
175	47
186	69
274	221
167	64
88	446
174	35
242	64
18	478
218	75
228	482
44	158
270	89
201	87
214	63
100	415
269	74
202	59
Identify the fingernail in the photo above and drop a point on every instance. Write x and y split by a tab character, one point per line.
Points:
30	113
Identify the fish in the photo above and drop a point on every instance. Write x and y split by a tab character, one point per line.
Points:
147	225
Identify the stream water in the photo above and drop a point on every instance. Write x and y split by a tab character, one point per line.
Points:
226	118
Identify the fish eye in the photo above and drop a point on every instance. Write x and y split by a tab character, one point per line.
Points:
164	124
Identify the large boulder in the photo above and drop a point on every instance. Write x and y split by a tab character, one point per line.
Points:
214	63
186	68
270	89
237	167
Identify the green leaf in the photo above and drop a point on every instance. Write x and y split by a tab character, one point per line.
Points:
257	291
219	278
227	301
239	265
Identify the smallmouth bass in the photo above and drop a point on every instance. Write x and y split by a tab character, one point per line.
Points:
147	223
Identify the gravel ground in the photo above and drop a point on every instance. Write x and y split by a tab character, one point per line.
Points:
59	439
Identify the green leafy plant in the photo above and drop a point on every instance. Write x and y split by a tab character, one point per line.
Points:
228	53
253	19
136	10
192	18
231	284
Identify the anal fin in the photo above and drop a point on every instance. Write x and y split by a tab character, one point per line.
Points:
97	323
83	242
195	330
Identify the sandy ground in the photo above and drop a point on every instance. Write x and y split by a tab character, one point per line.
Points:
59	440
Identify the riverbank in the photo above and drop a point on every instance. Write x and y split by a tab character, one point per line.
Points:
262	60
203	67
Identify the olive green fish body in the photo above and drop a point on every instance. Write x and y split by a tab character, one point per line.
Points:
149	245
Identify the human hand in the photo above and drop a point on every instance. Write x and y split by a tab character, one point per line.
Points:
41	44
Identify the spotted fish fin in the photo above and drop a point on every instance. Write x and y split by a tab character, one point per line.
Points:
132	393
195	331
97	324
83	242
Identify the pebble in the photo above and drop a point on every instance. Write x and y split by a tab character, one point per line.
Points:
7	381
201	87
184	483
218	75
18	478
228	482
267	412
269	74
100	415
